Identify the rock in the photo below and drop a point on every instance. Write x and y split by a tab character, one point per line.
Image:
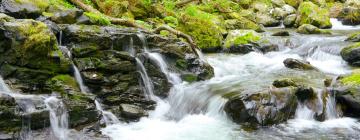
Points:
263	108
351	54
66	17
350	13
278	3
309	13
132	112
288	9
245	41
278	13
241	23
310	29
266	20
24	8
293	3
34	58
284	83
355	37
298	64
281	33
289	21
305	93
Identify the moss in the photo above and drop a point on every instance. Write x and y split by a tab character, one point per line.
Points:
171	21
61	4
60	83
42	4
202	27
293	3
181	63
313	14
240	37
355	37
189	78
353	79
98	18
348	49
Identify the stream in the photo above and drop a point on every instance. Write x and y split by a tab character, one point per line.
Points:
194	111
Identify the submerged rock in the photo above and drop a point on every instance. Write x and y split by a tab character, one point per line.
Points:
298	64
351	54
355	37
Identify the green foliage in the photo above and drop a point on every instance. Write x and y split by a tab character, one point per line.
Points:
171	21
312	14
63	3
353	79
247	38
97	18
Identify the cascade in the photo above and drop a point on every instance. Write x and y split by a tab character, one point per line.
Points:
79	80
107	116
58	117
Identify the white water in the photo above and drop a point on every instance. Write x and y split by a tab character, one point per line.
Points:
146	81
194	111
79	80
58	117
108	117
337	25
171	76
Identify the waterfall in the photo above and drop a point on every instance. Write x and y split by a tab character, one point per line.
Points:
107	116
172	77
58	117
149	87
331	111
79	80
3	86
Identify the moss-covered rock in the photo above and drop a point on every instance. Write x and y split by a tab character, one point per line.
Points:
298	64
266	20
310	29
355	37
24	8
202	27
350	14
310	13
293	3
351	54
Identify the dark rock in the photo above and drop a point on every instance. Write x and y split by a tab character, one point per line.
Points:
281	33
298	64
263	108
66	17
284	83
305	93
23	9
351	54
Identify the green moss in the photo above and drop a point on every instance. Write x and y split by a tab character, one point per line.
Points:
42	4
62	4
60	82
98	18
348	49
240	37
189	77
171	21
312	14
181	63
353	79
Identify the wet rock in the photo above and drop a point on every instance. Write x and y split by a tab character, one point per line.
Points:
278	3
278	13
305	93
132	112
263	108
66	17
298	64
266	20
289	21
351	54
288	9
355	37
23	8
245	41
281	33
284	83
317	16
350	13
310	29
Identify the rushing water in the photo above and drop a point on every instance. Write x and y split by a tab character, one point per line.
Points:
195	111
79	80
58	117
108	117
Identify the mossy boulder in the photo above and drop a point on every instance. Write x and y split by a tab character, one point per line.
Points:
355	37
310	29
30	52
290	20
298	64
286	82
24	8
351	54
236	21
310	13
203	27
266	20
293	3
350	14
245	41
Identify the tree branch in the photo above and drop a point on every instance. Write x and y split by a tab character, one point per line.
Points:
179	34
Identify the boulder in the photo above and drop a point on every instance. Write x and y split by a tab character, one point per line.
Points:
293	3
355	37
262	108
66	17
298	64
245	41
310	13
278	13
281	33
310	29
266	20
24	8
284	83
290	20
278	3
351	54
288	9
350	14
